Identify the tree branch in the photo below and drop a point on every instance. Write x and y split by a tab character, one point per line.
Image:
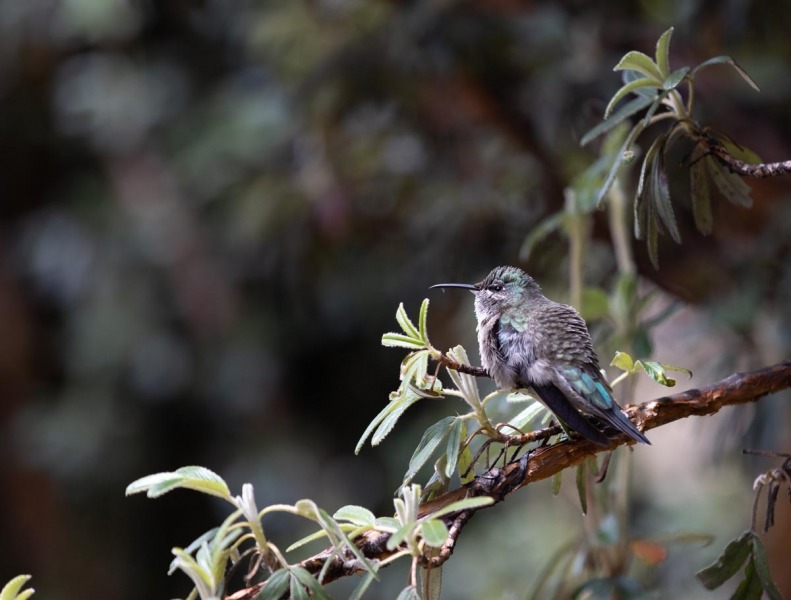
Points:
761	171
545	461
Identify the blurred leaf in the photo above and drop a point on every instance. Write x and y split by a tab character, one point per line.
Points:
729	562
762	569
275	586
651	553
538	233
581	487
316	535
403	320
396	340
627	110
619	157
398	537
434	532
429	443
718	60
527	415
387	523
195	478
675	78
627	88
640	62
700	197
557	482
595	303
663	53
750	587
464	504
431	583
455	439
729	184
409	593
358	515
622	361
11	590
365	583
309	582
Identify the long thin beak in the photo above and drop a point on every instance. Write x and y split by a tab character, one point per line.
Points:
464	286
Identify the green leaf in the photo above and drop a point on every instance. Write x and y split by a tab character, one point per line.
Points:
595	304
432	438
358	515
309	582
762	569
397	538
663	52
750	587
661	194
431	583
640	62
316	535
627	110
729	184
423	331
11	590
524	417
729	562
366	582
275	586
538	233
675	78
434	532
658	372
405	323
466	472
296	590
409	593
718	60
618	161
384	422
387	524
652	241
397	340
581	487
557	482
195	478
464	504
627	88
455	439
701	198
622	361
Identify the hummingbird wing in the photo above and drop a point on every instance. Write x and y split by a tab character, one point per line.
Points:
556	401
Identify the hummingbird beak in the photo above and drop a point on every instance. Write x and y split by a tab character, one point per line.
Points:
464	286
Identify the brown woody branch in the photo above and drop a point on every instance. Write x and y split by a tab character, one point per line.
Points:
762	170
544	462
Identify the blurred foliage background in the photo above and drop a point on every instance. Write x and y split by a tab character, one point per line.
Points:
211	210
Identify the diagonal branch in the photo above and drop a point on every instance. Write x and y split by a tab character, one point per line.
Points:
544	462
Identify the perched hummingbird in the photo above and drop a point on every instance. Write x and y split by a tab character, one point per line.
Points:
527	340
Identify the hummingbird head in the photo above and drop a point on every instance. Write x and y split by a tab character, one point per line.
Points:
504	289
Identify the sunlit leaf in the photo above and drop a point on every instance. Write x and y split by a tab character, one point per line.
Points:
12	589
195	478
403	320
663	52
429	443
622	361
422	317
700	197
391	418
728	563
642	63
397	340
434	532
627	110
358	515
718	60
628	88
762	570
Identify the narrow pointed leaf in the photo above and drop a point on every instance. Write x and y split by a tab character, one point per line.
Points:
701	197
465	504
642	63
538	233
434	532
719	60
652	239
409	593
750	587
455	438
581	487
627	110
384	422
675	78
397	340
431	440
618	161
664	207
423	331
663	52
403	320
363	586
11	590
557	482
730	185
309	582
275	586
526	415
729	562
657	372
431	583
762	570
626	89
466	472
195	478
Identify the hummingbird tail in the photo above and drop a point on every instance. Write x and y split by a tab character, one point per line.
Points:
557	402
622	423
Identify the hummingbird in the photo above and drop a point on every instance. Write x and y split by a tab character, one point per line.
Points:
527	340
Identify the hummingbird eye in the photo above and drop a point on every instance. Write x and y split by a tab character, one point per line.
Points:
497	287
